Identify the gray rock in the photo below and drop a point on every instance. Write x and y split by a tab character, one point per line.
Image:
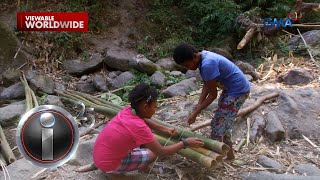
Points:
175	73
53	100
117	72
119	59
78	68
288	104
270	176
142	64
181	89
10	114
85	151
112	75
59	87
15	91
86	87
296	76
10	77
196	74
8	49
170	65
307	169
274	128
269	163
312	38
21	169
257	127
122	79
84	78
249	77
40	82
247	68
181	114
100	83
158	79
223	52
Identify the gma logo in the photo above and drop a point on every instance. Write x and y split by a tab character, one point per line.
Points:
282	22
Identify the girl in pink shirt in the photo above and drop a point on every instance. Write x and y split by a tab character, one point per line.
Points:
117	148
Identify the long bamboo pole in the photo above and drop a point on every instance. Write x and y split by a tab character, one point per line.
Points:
5	148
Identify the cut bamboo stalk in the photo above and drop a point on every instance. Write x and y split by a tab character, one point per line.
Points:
215	156
3	159
191	154
5	148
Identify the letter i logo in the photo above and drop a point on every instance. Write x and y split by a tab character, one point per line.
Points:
47	121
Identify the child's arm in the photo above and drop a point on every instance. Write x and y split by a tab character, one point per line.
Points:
204	94
160	150
158	127
211	87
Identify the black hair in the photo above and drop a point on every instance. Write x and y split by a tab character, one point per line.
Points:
183	53
141	92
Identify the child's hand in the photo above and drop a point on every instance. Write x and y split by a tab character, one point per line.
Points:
191	119
171	132
194	142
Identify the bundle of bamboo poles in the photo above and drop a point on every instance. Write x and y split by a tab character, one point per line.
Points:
6	153
210	155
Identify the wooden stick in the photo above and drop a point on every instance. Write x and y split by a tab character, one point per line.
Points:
91	129
247	37
243	111
241	143
268	74
86	168
309	141
305	43
248	131
5	148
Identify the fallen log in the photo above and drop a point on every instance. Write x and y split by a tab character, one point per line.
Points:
246	39
243	111
303	6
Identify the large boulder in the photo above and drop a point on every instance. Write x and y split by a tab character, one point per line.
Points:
15	91
119	59
158	79
274	128
122	79
271	176
100	82
9	46
170	65
142	64
21	169
312	39
247	68
307	169
53	100
257	128
86	86
78	67
269	163
296	76
196	74
40	82
181	89
10	77
11	113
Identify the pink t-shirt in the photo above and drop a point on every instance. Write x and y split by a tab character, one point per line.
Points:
121	135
